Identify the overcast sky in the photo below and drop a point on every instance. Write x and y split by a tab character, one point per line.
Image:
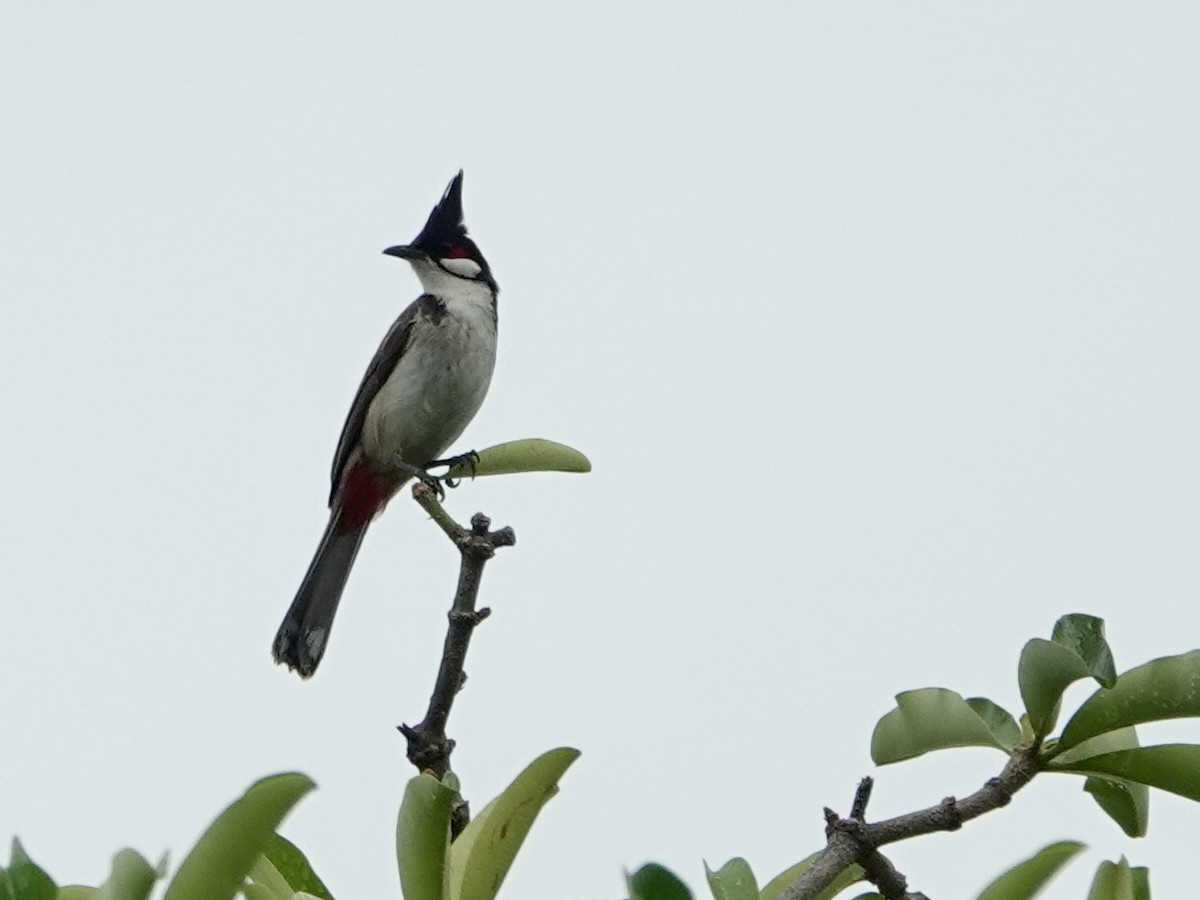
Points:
878	322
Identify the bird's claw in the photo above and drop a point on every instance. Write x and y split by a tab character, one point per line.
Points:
470	458
433	483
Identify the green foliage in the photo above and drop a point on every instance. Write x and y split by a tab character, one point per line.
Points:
1076	650
529	455
1099	740
1118	881
1166	688
423	838
655	882
1025	880
733	881
242	852
1126	802
481	856
221	860
936	719
283	870
24	879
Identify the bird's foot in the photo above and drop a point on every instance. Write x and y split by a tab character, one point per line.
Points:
470	458
433	482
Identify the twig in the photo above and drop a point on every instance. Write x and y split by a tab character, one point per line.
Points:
855	841
429	748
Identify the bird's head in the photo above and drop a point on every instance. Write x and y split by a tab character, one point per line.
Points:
443	249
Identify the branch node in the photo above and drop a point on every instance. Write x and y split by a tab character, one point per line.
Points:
480	524
951	815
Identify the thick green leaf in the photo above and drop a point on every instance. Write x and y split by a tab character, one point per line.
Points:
482	854
776	886
1046	670
1076	650
131	878
423	838
733	881
1085	636
1168	767
1166	688
265	881
1141	882
935	719
66	892
1126	803
293	868
998	720
1026	879
655	882
222	858
25	879
529	455
1118	881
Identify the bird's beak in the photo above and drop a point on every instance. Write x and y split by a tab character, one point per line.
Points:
406	251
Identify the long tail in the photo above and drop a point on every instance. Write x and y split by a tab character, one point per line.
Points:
301	639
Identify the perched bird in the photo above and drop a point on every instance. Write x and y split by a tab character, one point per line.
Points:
426	382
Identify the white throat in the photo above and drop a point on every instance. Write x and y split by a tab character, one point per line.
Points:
459	294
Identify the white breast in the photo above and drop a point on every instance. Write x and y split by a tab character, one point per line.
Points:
439	382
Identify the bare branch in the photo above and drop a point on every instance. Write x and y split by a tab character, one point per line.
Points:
429	748
852	840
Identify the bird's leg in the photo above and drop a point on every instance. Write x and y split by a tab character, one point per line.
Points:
433	482
470	457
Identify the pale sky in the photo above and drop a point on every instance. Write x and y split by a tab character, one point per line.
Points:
879	324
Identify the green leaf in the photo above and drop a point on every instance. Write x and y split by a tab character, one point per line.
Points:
265	881
1045	671
1118	881
529	455
26	879
655	882
482	854
66	892
1085	636
219	863
777	885
1047	668
935	719
131	878
1141	882
1025	880
423	838
284	870
733	881
1166	688
1126	803
1168	767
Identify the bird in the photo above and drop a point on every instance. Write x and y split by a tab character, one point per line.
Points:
424	385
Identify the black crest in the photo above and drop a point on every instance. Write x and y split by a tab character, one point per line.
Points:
445	226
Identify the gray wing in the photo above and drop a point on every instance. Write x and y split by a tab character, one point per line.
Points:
382	364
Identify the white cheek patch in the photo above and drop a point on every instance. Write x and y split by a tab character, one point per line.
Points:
463	268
